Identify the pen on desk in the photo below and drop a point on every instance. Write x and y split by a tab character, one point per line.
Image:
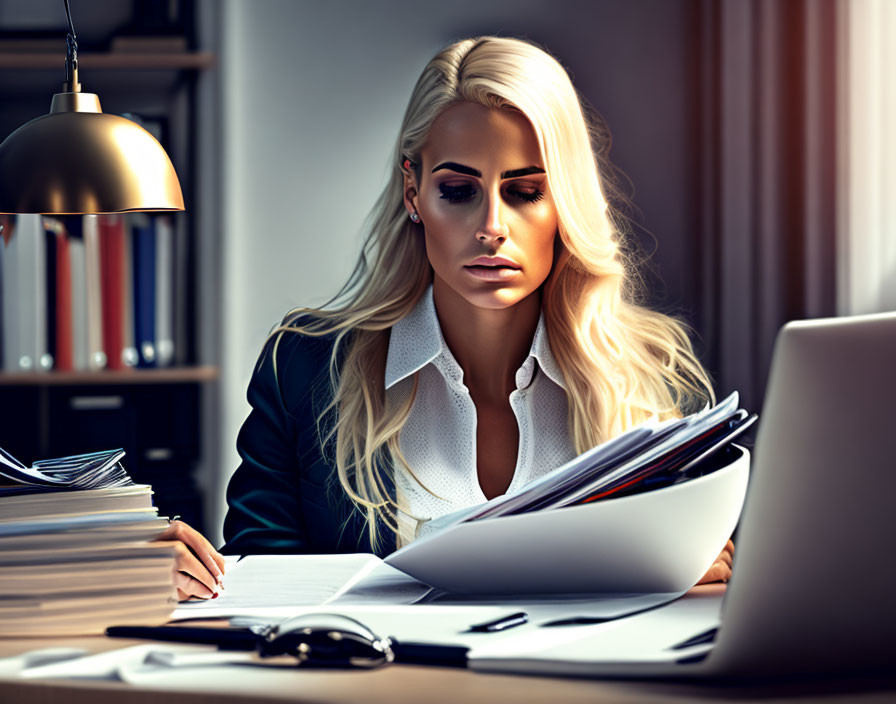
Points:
224	638
501	624
577	621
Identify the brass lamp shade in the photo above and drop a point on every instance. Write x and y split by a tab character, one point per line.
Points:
78	160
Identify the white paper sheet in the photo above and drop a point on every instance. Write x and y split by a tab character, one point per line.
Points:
643	640
382	584
104	666
14	665
278	582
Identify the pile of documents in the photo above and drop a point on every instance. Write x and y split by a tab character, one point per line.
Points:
651	456
74	550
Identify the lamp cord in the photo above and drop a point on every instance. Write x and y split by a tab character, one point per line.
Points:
71	59
71	41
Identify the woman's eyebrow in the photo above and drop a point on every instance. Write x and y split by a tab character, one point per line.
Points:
516	173
470	171
460	168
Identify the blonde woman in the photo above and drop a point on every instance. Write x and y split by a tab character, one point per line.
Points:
489	333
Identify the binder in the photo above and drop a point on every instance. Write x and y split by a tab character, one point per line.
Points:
27	256
9	272
111	238
78	292
129	353
144	289
164	285
96	353
48	357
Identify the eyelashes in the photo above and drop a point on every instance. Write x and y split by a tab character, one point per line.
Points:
460	194
456	194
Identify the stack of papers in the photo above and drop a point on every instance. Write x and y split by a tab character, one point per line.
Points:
651	456
74	550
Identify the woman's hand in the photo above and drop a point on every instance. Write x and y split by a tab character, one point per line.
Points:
198	566
721	568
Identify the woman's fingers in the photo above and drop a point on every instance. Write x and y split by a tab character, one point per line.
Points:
185	562
719	572
199	568
188	562
721	568
213	561
202	548
188	587
727	555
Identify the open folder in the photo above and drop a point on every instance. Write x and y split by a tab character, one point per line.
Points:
648	511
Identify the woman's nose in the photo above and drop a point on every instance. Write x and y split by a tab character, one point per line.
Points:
493	227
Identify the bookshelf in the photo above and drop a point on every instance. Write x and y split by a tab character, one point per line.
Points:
111	60
165	418
170	375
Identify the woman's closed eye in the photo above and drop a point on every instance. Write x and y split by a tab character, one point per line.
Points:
465	192
457	194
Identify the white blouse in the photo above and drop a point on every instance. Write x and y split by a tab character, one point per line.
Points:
438	439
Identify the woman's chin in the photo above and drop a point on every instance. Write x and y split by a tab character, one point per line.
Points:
495	296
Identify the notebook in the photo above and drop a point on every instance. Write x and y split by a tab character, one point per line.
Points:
813	575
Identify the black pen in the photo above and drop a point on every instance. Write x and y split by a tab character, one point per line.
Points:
577	621
224	638
501	624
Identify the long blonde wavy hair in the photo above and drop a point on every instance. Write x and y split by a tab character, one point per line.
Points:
622	363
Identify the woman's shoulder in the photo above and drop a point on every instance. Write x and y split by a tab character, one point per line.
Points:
299	340
296	360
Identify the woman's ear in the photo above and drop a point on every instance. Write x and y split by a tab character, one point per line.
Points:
410	189
410	193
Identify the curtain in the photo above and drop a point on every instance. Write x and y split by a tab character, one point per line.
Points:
767	160
866	238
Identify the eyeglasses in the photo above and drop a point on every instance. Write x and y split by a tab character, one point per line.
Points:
326	640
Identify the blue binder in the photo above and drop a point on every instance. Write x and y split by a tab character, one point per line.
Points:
144	266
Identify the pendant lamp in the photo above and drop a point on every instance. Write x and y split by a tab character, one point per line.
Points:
78	159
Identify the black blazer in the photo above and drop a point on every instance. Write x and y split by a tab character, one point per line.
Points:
285	496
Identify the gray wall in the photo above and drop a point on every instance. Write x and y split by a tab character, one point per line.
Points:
313	93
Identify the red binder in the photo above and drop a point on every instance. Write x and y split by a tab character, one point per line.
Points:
65	353
111	236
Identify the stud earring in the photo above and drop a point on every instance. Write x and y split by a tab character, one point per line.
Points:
415	217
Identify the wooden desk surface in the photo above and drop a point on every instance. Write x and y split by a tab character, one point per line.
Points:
403	684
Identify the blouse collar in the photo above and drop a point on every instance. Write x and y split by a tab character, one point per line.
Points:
416	340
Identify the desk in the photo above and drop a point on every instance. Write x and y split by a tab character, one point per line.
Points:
406	684
424	685
402	684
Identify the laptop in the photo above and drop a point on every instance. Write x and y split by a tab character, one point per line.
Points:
814	576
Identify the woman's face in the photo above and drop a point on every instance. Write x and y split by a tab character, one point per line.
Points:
483	201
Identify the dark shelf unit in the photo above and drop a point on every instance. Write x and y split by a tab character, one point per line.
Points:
156	415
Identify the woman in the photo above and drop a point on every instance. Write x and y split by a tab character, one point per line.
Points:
489	333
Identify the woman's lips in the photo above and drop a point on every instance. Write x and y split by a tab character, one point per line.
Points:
492	273
494	261
493	268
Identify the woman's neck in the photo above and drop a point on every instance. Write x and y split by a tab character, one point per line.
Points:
489	344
